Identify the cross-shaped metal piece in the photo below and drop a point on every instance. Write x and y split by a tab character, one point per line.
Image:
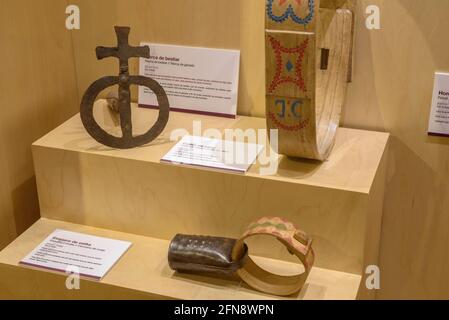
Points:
124	80
124	52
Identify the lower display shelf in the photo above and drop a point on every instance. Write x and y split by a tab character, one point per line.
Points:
143	273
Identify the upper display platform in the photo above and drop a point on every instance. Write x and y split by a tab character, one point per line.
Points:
352	165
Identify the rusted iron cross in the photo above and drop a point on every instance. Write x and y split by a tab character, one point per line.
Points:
124	52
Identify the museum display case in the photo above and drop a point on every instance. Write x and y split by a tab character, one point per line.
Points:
224	150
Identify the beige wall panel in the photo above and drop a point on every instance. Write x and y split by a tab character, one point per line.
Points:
37	92
203	23
405	54
252	64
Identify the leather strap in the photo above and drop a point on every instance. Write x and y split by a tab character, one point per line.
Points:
296	241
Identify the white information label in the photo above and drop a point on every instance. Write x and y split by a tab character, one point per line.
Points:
214	153
65	250
197	80
439	117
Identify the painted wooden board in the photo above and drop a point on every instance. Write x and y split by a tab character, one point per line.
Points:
307	67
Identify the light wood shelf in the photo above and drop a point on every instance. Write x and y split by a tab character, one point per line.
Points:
143	273
352	166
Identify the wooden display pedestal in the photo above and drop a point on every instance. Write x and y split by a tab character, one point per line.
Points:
132	196
143	273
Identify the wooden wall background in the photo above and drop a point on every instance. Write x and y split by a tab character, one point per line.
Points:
38	91
48	67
